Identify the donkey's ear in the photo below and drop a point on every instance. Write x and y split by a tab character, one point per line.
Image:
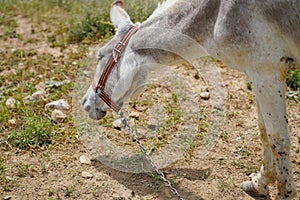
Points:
118	15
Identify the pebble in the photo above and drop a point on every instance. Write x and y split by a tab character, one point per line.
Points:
41	94
41	86
11	103
135	115
85	160
61	104
87	175
38	95
58	116
205	95
7	197
117	124
12	122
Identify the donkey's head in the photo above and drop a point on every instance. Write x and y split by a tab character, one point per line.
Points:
126	76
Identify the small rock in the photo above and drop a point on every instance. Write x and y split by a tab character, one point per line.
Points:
135	115
41	94
12	122
117	124
41	86
7	197
58	105
27	99
11	103
58	116
86	73
87	175
85	160
9	178
38	93
205	95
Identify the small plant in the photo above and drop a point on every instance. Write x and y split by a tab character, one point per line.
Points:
23	169
1	168
96	26
293	80
10	26
69	192
36	132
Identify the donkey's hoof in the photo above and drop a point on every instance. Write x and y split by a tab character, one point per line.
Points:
249	188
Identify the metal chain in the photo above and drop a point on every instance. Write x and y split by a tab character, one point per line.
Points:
144	150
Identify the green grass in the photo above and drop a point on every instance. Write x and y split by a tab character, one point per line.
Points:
2	176
78	22
293	80
36	133
1	168
5	183
23	169
69	191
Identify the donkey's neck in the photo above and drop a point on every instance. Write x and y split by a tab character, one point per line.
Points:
174	32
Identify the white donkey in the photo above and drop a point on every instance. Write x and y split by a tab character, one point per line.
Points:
260	38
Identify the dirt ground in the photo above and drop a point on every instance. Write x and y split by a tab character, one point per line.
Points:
57	171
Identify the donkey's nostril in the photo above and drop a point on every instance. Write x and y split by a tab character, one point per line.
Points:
86	106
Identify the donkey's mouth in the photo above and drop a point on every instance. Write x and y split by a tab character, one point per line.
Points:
97	114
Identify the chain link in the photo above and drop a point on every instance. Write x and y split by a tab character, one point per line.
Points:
144	150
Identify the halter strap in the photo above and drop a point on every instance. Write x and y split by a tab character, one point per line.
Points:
112	61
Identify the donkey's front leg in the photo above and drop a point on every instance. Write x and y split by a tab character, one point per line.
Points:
269	88
258	186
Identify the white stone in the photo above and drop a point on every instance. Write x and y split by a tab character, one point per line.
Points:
134	115
58	105
58	116
85	160
12	122
87	175
39	95
11	103
205	95
7	197
41	86
117	124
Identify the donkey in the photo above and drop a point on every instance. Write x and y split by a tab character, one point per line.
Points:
259	38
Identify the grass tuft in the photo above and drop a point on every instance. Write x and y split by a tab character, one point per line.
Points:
293	80
36	133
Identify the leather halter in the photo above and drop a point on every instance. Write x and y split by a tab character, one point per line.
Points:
110	64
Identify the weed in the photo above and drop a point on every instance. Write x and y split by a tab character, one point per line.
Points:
92	25
69	192
4	115
224	135
10	26
23	169
50	193
1	168
37	132
293	79
5	183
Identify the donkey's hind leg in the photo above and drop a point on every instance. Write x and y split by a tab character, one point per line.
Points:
269	88
258	186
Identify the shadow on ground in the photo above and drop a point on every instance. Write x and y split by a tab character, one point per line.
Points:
145	184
